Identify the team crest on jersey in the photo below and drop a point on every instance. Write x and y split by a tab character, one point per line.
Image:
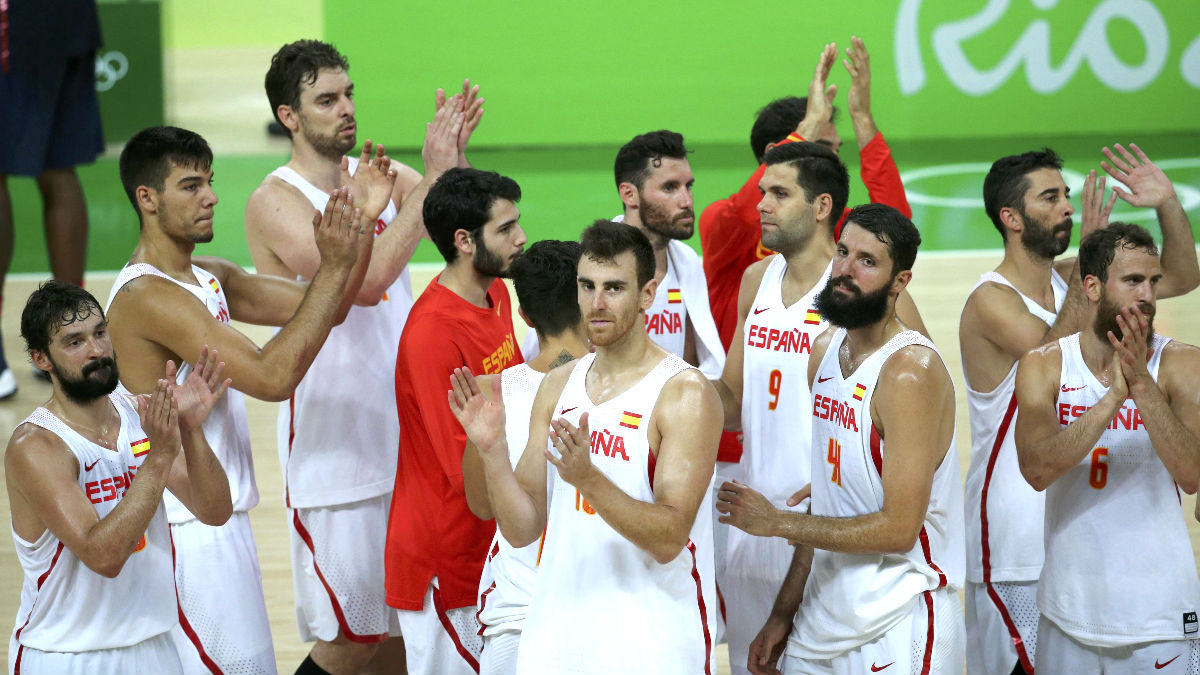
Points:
859	391
140	447
674	296
812	317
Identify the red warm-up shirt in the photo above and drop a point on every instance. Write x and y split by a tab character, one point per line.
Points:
431	531
731	241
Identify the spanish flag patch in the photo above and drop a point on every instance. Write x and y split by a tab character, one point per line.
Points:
674	296
859	391
213	284
812	317
630	420
140	447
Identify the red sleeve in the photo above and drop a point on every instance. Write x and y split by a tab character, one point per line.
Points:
431	358
882	178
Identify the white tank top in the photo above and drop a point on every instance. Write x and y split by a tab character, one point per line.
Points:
338	433
509	574
666	320
66	607
1119	565
851	599
775	397
603	605
1004	514
226	429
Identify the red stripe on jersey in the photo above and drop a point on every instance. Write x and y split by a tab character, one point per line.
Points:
333	600
40	580
651	462
1001	433
440	608
924	537
1013	633
877	450
186	625
287	494
926	663
482	604
720	601
17	668
691	547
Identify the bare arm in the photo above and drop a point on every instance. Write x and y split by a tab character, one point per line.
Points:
858	64
729	387
474	481
197	478
767	647
910	316
686	421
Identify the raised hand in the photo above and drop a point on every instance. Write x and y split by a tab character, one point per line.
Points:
745	509
858	64
1133	348
472	115
1148	186
373	181
201	390
820	95
339	230
1093	211
573	446
440	151
160	420
483	420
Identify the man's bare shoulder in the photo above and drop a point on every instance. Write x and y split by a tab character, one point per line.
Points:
148	300
915	364
687	384
755	271
1046	357
275	202
31	446
993	297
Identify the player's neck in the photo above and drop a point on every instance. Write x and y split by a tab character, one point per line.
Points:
170	256
1029	273
626	354
658	242
806	265
322	171
862	342
96	419
557	350
1097	354
461	278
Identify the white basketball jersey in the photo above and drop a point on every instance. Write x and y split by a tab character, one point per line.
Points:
226	429
1004	514
851	599
66	607
666	320
602	604
509	574
338	433
1119	565
775	399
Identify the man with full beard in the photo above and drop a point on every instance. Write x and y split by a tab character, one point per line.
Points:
339	461
86	473
1027	301
627	437
435	546
1110	429
167	304
886	514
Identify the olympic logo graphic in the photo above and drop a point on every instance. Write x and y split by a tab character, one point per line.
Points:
110	67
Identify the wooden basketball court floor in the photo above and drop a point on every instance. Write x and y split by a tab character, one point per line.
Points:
941	282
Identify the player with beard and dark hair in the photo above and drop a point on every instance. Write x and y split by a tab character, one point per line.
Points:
1031	299
435	546
886	514
1110	430
338	500
627	437
85	474
165	304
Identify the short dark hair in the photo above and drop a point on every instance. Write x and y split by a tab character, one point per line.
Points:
1097	250
775	120
636	157
462	199
818	171
1008	179
148	157
54	304
295	63
892	228
604	240
544	277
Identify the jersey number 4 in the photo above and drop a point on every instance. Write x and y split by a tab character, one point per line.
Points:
834	457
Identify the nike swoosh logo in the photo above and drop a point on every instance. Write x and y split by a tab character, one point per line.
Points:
1160	666
876	669
758	311
89	467
564	411
826	379
1065	388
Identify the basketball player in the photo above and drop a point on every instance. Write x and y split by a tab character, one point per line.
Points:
1110	429
1029	300
803	189
166	303
886	521
85	475
544	278
339	461
625	582
435	546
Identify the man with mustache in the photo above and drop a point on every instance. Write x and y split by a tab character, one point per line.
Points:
879	560
339	461
435	546
627	437
86	473
803	189
166	303
1110	430
1030	300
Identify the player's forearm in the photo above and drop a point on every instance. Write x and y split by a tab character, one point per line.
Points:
1181	270
516	511
659	529
395	246
110	542
475	484
879	532
864	129
1045	459
1075	312
791	591
1176	445
207	484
